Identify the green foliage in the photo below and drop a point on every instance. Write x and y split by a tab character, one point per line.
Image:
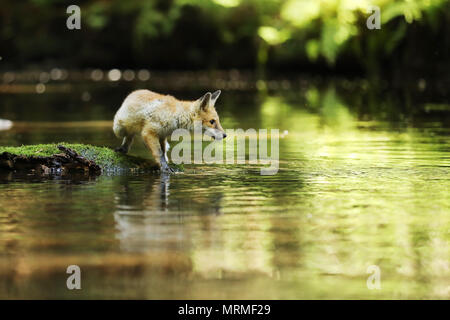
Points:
151	22
330	24
273	36
97	15
204	33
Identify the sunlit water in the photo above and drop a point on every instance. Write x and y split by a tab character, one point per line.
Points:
350	193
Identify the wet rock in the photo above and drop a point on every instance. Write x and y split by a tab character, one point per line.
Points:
5	124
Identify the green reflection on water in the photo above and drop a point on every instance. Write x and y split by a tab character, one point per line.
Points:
350	193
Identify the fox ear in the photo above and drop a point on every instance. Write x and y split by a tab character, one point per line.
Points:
215	95
203	102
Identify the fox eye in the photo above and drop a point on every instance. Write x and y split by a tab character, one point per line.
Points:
212	121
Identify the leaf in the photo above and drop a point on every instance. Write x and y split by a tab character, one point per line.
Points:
273	36
300	12
313	49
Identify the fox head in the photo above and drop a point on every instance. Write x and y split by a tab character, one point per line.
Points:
207	115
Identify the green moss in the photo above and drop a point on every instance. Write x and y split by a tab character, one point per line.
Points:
106	158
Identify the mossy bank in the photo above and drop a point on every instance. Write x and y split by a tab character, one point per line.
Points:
105	158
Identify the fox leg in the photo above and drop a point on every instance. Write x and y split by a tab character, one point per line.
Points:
164	147
152	142
126	144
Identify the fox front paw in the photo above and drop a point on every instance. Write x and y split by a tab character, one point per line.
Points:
168	169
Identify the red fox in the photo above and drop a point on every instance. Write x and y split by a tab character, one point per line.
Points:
156	116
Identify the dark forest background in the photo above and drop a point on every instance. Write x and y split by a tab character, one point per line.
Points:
266	36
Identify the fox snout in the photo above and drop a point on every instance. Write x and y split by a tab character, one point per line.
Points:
220	136
215	134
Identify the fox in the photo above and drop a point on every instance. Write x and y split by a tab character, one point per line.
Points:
155	116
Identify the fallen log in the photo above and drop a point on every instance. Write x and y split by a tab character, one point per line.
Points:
55	159
67	161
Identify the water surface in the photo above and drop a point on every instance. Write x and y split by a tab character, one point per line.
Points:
356	187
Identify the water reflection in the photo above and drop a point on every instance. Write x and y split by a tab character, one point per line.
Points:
353	190
141	215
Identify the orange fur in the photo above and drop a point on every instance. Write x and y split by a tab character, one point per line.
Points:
156	116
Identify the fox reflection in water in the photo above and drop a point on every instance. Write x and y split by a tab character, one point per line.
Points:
149	217
149	212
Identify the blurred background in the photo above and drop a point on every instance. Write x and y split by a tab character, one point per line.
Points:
278	36
238	45
364	153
